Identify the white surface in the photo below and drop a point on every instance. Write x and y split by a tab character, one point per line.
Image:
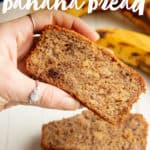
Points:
20	127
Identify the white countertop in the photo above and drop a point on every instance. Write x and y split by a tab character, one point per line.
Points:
20	126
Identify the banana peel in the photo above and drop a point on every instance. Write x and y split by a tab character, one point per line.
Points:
143	21
131	47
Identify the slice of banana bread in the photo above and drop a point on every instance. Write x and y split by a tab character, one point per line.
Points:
88	132
91	74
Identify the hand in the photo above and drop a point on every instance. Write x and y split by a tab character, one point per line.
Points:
15	43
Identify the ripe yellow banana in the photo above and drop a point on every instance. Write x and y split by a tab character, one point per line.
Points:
131	47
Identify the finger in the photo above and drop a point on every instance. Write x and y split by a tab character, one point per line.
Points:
50	96
71	22
20	35
64	20
21	29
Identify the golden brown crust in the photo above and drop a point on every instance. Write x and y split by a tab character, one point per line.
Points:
84	102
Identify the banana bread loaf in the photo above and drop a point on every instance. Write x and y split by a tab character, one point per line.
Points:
88	132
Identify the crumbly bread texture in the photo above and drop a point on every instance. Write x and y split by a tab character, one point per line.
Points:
91	74
88	132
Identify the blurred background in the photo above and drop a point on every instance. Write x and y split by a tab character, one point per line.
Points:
21	125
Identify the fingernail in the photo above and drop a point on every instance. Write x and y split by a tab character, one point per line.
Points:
70	103
97	36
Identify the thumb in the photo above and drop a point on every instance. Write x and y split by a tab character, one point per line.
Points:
50	96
